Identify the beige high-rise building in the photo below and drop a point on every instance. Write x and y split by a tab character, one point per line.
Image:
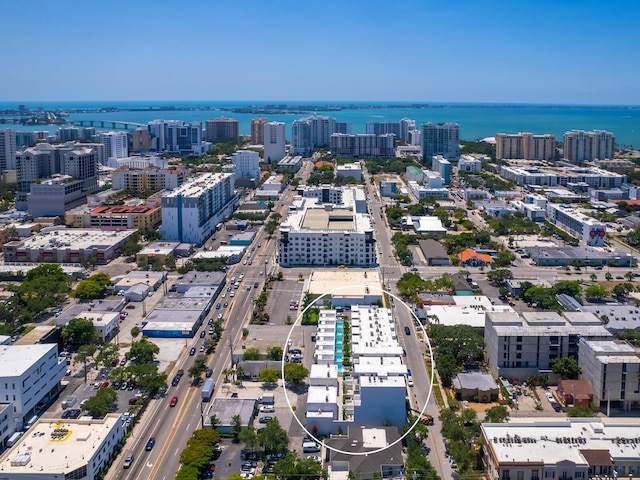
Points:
140	140
257	130
580	146
525	146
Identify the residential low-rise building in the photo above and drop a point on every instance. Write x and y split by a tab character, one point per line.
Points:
519	346
115	217
612	367
140	180
467	163
594	177
388	188
561	448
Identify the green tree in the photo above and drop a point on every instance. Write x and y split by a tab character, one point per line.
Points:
249	438
236	427
295	372
567	368
504	258
251	354
595	293
79	331
107	353
142	351
101	403
497	414
93	287
499	276
608	276
269	375
621	290
275	353
148	376
581	412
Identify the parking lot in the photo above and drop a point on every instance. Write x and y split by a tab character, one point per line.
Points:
280	299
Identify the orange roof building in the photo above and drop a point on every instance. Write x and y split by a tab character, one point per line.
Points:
474	259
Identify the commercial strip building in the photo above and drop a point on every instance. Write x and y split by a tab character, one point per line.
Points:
550	256
592	177
190	213
526	146
66	449
467	163
63	245
561	448
588	230
106	323
363	145
580	146
289	164
317	233
518	346
374	394
180	315
30	376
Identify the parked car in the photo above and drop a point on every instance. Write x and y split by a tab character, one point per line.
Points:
265	419
267	409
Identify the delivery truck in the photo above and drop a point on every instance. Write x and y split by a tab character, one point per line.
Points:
207	389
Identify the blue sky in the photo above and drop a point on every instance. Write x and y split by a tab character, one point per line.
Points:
582	52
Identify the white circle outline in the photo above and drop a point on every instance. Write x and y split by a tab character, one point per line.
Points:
424	407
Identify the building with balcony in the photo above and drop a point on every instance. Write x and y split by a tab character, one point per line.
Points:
8	149
580	146
257	130
221	130
442	167
441	139
317	233
120	217
519	346
116	144
274	142
311	132
525	146
190	213
141	180
363	145
246	164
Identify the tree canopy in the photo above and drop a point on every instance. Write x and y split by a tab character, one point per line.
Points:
455	347
101	403
142	351
295	372
567	368
93	287
79	331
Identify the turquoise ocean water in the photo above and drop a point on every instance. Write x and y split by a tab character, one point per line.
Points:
476	120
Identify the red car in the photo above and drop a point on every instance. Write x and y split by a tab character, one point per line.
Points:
173	402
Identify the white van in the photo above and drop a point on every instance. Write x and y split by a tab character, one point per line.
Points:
13	439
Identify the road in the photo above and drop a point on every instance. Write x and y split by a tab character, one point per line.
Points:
414	344
172	427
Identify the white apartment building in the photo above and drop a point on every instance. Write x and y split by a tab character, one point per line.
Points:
467	163
350	170
421	192
177	136
532	211
246	164
381	128
363	145
81	454
415	138
326	234
374	394
561	448
522	345
442	167
407	126
29	375
586	229
311	132
526	146
580	146
190	213
553	176
274	142
7	149
353	196
116	144
139	161
612	367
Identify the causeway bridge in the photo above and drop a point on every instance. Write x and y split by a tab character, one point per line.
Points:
114	124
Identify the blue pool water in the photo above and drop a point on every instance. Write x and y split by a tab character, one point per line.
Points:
338	349
339	358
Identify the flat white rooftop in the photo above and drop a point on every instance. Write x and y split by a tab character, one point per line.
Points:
346	282
199	185
76	238
17	359
322	394
62	456
550	441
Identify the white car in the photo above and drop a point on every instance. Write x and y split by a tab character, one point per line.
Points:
232	294
315	458
267	409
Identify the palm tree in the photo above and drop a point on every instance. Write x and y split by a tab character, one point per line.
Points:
226	372
629	276
239	373
215	422
593	277
608	276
